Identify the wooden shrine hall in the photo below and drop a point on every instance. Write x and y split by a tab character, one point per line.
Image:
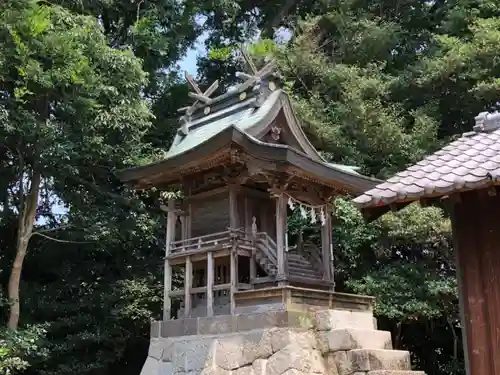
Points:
242	163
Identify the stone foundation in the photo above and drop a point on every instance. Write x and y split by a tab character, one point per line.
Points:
332	342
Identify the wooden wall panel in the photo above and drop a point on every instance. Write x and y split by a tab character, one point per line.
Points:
491	272
477	240
210	215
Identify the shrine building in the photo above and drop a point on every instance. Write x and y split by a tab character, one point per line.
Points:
242	164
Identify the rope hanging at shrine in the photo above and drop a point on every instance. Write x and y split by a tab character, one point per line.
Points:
307	210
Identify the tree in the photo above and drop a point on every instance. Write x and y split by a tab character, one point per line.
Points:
70	104
16	347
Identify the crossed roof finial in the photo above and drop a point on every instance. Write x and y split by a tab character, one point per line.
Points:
198	94
252	78
255	75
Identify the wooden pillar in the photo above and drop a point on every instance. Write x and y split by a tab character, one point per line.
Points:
210	284
189	220
264	209
183	227
233	207
253	260
233	257
188	283
326	246
167	272
476	245
233	278
248	216
250	228
280	234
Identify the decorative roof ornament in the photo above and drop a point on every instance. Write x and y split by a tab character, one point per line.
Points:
198	95
254	76
486	122
250	88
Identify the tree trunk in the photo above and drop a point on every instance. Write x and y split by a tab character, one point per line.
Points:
27	217
455	339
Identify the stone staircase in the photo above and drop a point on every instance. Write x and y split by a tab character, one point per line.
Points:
298	265
329	342
351	345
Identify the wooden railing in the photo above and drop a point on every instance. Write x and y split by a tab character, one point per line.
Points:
222	239
202	243
267	245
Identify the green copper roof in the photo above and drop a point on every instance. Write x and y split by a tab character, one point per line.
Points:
242	115
243	118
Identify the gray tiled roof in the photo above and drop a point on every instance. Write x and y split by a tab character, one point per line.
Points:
470	162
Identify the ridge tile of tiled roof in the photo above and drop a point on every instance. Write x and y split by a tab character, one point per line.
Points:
470	162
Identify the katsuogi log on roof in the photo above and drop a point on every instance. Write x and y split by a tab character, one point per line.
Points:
253	123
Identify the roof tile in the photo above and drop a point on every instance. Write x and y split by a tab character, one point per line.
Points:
471	161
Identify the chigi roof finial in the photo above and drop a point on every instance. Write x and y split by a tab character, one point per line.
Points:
250	92
197	94
254	76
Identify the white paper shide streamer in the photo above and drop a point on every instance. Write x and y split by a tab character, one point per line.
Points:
314	213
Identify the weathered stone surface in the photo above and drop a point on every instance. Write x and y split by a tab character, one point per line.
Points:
166	368
261	308
350	338
264	320
168	349
156	348
331	364
179	327
235	351
295	357
217	325
155	329
275	343
281	337
257	344
214	371
247	370
379	359
344	365
304	320
193	354
293	371
338	319
395	372
151	366
260	366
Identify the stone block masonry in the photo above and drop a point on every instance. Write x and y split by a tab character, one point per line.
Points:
330	342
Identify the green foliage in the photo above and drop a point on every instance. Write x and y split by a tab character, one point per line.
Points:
376	84
17	348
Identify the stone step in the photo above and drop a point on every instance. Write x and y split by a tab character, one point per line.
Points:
353	338
395	372
338	319
379	359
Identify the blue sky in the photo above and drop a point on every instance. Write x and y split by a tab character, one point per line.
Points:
189	63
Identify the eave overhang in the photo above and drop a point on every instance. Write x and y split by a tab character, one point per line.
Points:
171	170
